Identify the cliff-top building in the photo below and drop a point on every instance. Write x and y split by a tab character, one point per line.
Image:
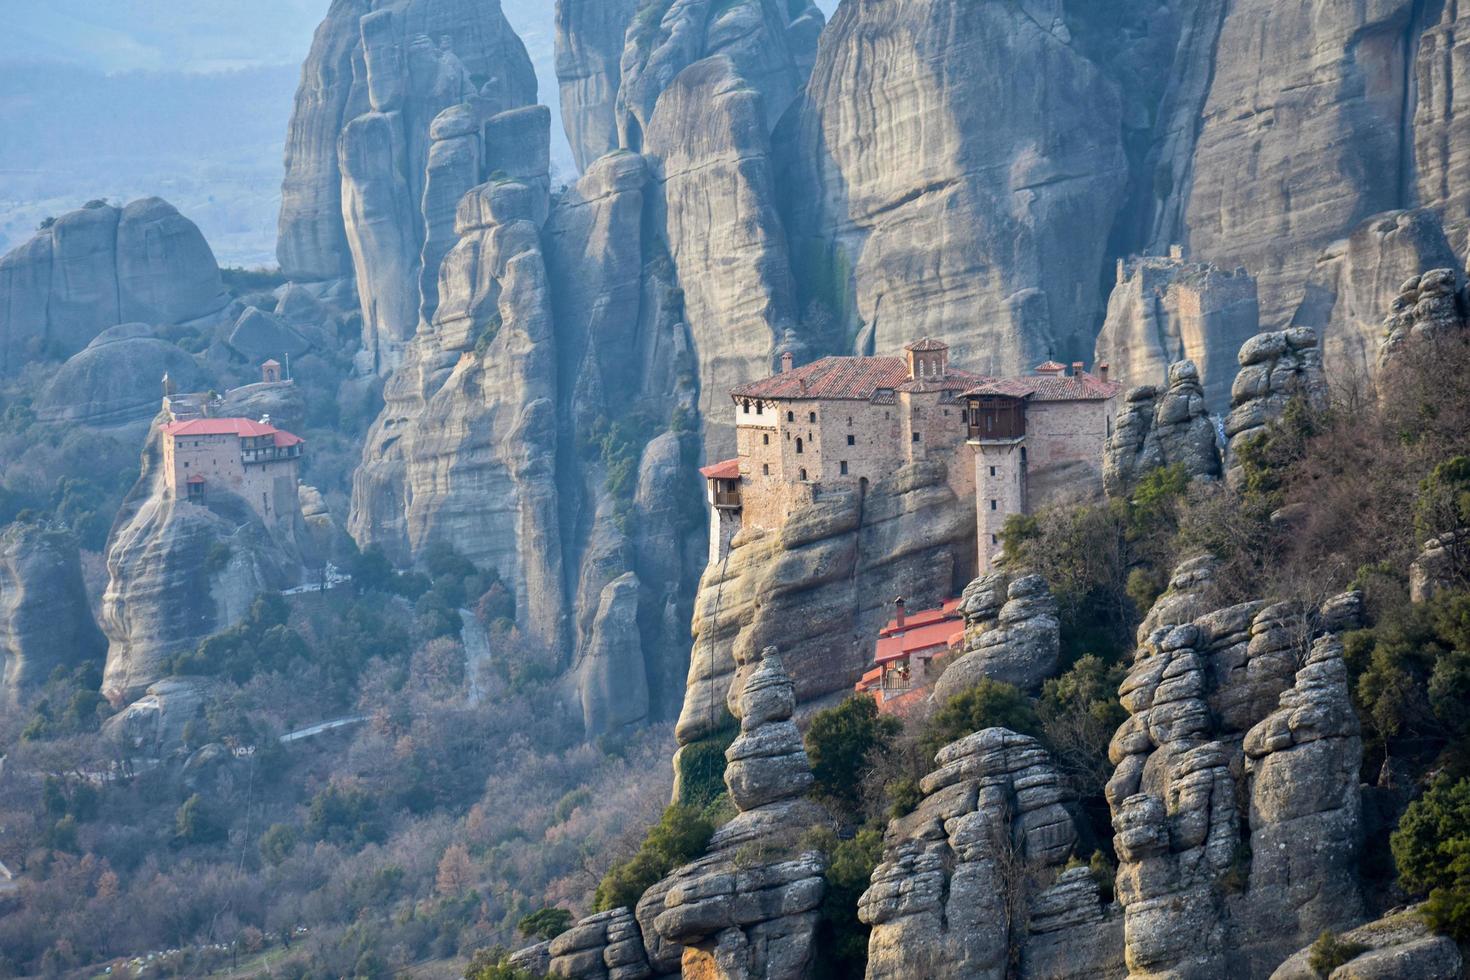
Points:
253	460
846	422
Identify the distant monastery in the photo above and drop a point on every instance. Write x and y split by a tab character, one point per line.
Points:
845	422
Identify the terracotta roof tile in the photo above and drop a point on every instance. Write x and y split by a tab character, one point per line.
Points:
728	469
927	344
856	378
244	428
1047	388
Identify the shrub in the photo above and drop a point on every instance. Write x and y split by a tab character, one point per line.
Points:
989	704
545	923
702	769
277	843
680	836
840	742
196	822
841	938
494	964
1331	951
1431	848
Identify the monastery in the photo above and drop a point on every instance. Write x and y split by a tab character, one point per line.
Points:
841	423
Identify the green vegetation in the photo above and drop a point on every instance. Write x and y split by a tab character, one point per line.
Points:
493	963
239	280
989	704
545	923
680	836
843	939
1331	951
841	743
701	765
1432	850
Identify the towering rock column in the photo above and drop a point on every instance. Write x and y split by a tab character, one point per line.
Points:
1161	428
1275	367
45	622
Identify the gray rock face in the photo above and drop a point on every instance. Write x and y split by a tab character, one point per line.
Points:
613	685
1166	310
589	50
154	723
710	158
117	379
824	578
972	874
1225	731
937	191
1438	565
45	620
1275	368
1442	121
1020	647
1356	279
157	604
1295	149
258	336
606	945
1157	429
98	267
1399	945
767	761
1431	304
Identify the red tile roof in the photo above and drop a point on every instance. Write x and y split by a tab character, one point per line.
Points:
244	428
855	378
935	636
949	609
927	344
1050	367
1049	388
726	470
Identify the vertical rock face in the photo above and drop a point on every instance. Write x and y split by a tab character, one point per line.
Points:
1165	310
1157	429
972	876
1207	760
937	190
157	603
100	266
1304	134
1442	121
819	586
589	50
1275	368
45	621
465	449
1428	305
359	150
1019	644
1356	279
716	208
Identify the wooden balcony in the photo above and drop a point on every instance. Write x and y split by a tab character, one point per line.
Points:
727	499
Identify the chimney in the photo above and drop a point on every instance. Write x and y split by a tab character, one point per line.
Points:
786	360
1102	371
1078	369
898	615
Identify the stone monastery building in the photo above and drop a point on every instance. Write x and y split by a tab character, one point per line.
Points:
842	423
253	460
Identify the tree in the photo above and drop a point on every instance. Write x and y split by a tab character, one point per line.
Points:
545	923
679	837
277	843
989	704
456	871
195	822
840	744
1432	850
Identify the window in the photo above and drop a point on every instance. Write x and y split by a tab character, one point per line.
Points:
995	539
747	408
765	469
791	416
992	471
803	473
916	437
852	440
811	416
849	421
798	445
843	465
760	408
186	466
995	505
766	441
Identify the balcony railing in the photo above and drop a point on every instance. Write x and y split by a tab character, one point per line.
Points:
727	499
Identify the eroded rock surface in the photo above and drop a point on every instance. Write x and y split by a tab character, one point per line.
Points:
1430	304
1020	645
1275	368
1398	945
117	379
1157	428
45	619
589	51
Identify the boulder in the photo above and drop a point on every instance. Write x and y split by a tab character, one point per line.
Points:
1275	368
1156	429
117	379
1397	945
259	336
1021	648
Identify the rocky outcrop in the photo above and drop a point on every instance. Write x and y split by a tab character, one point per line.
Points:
1020	645
589	51
1441	130
117	379
465	448
973	877
1303	135
1275	368
1157	429
358	194
1431	304
259	336
1359	277
716	209
98	267
45	620
179	571
1166	310
937	191
1397	945
820	582
153	725
1228	742
1440	565
606	945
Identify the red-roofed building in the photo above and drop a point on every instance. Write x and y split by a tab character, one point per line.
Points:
253	460
905	662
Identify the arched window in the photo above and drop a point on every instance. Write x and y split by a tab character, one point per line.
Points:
791	416
747	408
803	473
811	416
798	444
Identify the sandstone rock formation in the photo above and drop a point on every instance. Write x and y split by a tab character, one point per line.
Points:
1157	429
936	190
100	266
45	620
1166	310
259	336
589	51
1019	645
1275	368
179	571
117	379
153	725
1441	131
974	875
821	586
1206	738
1398	945
1431	304
1359	277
